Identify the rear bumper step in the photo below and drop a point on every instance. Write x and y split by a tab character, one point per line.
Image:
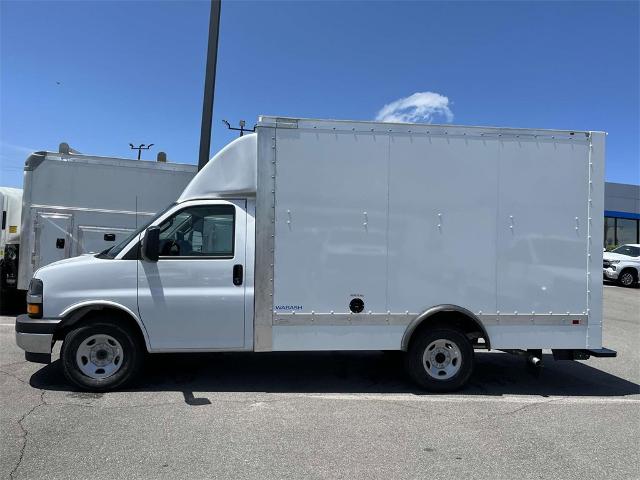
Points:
583	354
602	352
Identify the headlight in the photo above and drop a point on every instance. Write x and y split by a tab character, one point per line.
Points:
613	261
34	298
35	287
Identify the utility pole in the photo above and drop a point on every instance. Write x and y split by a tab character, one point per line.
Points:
140	148
209	84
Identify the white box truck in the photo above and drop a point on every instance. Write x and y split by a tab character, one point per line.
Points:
75	204
337	235
11	204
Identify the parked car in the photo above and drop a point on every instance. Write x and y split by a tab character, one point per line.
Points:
622	264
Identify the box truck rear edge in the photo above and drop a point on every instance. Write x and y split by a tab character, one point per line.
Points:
336	235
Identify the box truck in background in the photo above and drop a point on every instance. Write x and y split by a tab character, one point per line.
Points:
75	204
336	235
11	203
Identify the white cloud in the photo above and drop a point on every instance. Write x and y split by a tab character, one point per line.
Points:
16	148
419	107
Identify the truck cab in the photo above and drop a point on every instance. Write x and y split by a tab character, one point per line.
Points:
182	282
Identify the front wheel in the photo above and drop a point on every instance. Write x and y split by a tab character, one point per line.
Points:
627	278
440	359
100	356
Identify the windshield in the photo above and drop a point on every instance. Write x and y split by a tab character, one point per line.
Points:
628	250
116	249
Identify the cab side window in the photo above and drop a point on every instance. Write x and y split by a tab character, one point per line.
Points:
199	231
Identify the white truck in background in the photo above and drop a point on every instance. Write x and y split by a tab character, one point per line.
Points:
75	204
338	235
11	204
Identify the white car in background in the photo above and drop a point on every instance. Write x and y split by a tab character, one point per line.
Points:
622	264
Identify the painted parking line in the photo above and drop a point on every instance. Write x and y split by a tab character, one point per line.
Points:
477	399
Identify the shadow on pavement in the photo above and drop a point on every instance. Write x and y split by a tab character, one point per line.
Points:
348	372
13	302
610	283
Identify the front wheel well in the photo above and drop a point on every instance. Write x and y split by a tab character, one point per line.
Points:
456	318
99	313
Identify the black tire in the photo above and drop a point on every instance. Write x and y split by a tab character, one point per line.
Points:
131	358
417	369
627	277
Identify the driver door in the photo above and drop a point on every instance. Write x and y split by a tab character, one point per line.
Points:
193	296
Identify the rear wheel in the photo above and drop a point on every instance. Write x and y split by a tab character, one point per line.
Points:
101	356
440	360
627	278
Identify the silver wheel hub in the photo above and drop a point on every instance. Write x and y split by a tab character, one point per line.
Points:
99	356
442	359
627	279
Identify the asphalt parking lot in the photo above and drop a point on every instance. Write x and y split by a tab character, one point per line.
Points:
330	415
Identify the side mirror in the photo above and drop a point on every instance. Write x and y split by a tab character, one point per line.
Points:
151	244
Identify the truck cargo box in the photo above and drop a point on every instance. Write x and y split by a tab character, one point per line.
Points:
504	223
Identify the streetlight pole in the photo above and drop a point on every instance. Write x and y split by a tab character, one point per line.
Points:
209	84
140	148
241	129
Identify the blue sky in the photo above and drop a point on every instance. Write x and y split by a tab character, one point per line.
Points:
100	75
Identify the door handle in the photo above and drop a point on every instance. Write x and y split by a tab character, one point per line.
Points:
237	275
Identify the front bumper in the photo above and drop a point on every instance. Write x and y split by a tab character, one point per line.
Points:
34	342
35	336
610	274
